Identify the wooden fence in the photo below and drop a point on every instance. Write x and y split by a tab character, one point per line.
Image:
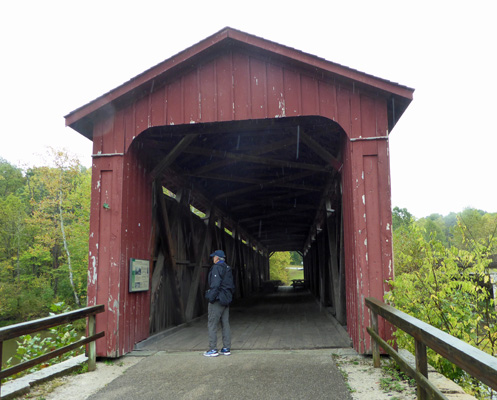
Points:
475	362
25	328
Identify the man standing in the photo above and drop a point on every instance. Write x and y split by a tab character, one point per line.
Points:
219	295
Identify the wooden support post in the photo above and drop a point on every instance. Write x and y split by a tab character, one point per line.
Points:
205	243
169	251
421	366
157	282
92	346
342	312
375	346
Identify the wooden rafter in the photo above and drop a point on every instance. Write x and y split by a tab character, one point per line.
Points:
172	155
292	212
256	159
269	202
268	184
258	151
321	151
253	181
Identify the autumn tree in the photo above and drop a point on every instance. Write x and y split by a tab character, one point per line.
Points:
278	264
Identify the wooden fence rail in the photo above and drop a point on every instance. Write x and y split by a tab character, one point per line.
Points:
475	362
24	328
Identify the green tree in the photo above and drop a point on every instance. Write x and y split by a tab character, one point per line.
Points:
11	178
13	235
54	212
434	226
475	226
401	218
278	264
296	258
44	230
447	287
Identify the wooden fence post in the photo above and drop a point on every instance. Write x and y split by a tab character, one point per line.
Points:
375	346
92	346
421	366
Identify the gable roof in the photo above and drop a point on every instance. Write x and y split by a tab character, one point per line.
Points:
80	119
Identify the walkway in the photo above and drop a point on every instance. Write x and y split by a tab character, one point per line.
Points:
286	319
282	348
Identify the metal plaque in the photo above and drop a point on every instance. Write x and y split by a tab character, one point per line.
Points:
139	275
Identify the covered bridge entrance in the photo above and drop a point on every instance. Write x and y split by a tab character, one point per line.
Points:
249	146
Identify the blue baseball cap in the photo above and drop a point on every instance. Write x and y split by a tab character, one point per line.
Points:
218	253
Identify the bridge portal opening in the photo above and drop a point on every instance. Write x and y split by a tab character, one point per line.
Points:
252	188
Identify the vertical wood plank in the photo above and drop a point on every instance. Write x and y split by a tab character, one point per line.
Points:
421	366
169	249
224	87
208	110
102	270
258	88
241	89
174	103
128	125
92	347
375	345
118	133
157	111
194	286
106	132
327	100
333	261
310	97
291	82
191	98
141	115
275	97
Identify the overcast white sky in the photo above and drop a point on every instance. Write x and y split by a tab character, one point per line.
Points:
58	55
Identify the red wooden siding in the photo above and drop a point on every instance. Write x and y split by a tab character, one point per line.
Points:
237	84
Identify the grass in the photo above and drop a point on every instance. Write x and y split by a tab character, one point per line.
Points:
295	273
41	390
392	382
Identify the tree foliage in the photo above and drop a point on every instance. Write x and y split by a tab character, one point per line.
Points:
443	278
44	224
296	258
278	264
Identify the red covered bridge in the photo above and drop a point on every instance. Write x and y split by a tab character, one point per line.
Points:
272	148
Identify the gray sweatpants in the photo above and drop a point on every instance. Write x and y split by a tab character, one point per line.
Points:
216	313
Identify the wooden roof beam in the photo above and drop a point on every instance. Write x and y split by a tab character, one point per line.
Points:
252	181
321	151
266	202
262	150
273	182
257	160
204	200
275	214
172	155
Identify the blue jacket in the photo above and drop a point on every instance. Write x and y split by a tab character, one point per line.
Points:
221	284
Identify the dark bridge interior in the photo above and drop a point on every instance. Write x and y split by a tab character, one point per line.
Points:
255	187
269	178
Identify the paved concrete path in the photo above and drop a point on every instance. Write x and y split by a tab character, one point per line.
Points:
246	374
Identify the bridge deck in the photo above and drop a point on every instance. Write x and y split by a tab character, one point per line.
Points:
287	319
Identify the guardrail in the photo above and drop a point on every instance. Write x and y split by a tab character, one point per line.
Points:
24	328
475	362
